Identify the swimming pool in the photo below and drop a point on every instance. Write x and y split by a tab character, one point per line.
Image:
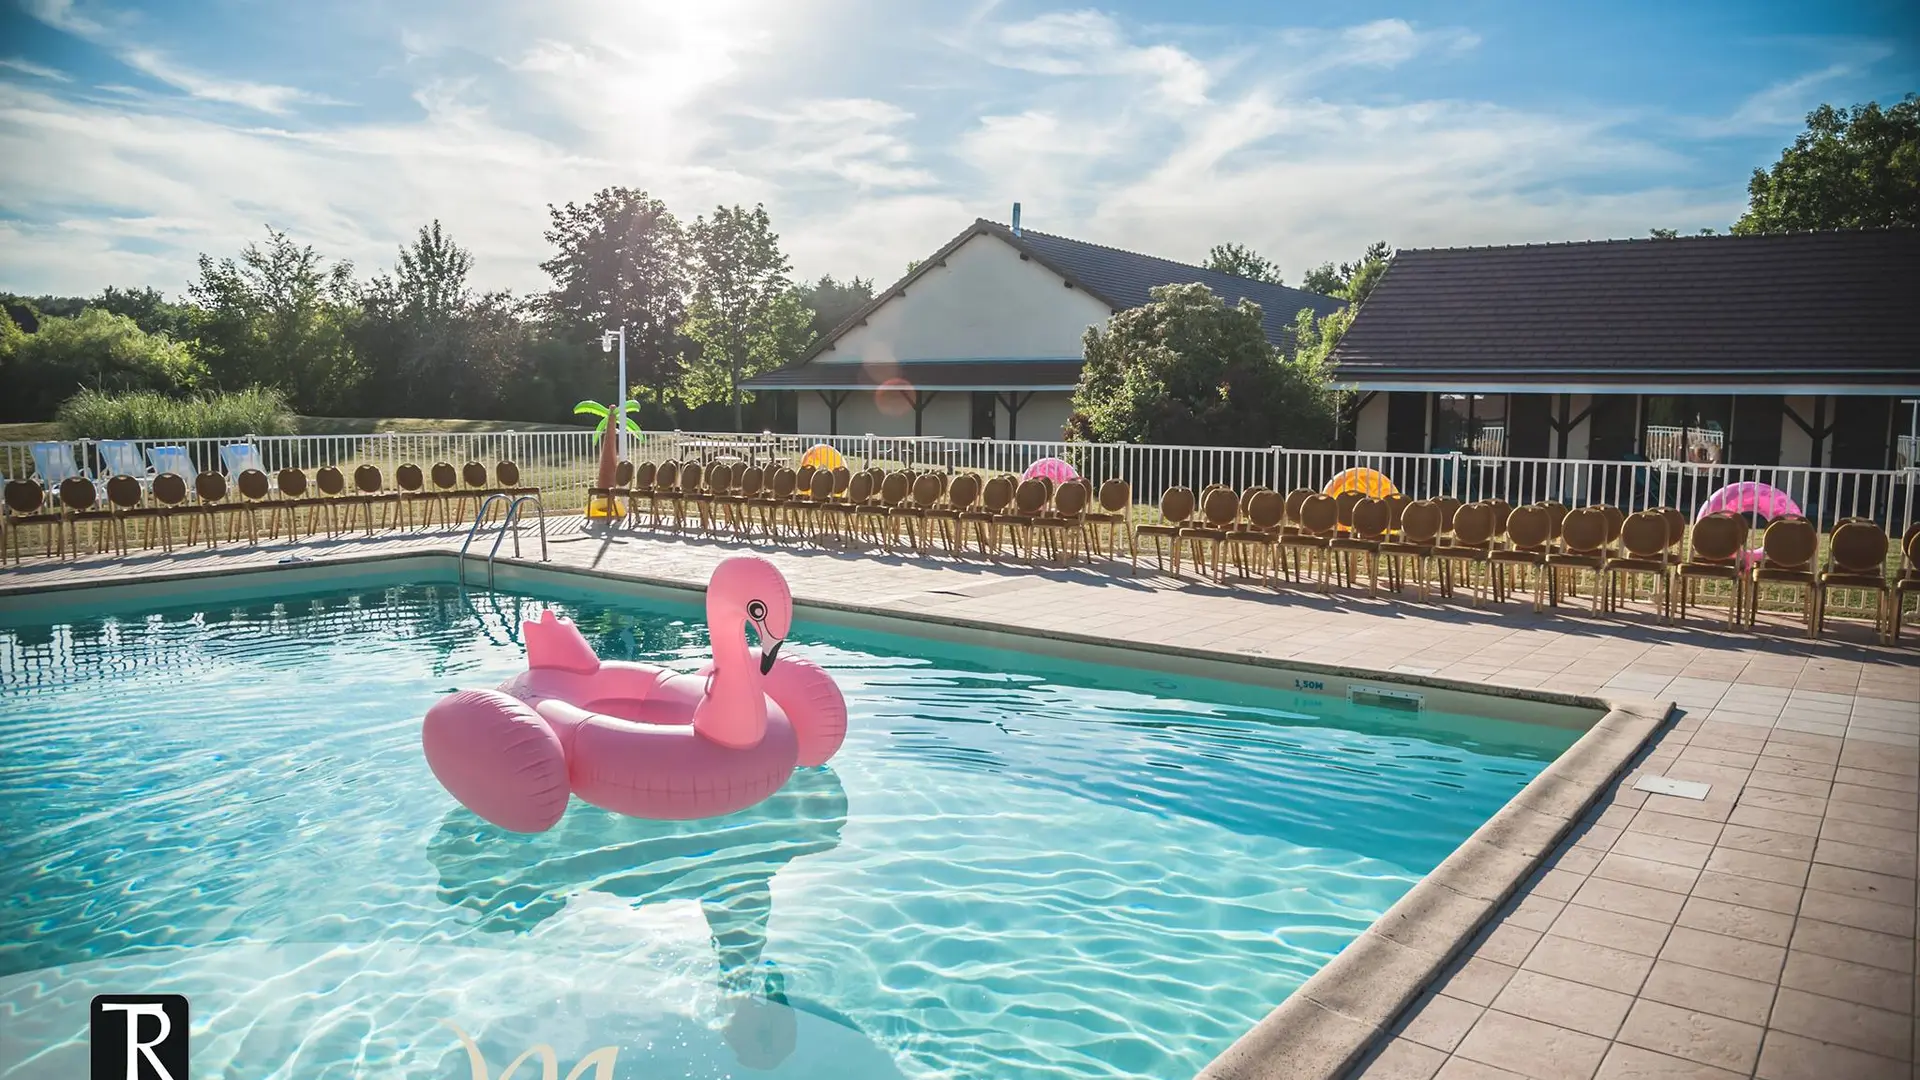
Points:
1018	867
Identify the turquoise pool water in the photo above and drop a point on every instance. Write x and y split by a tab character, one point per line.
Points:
1017	868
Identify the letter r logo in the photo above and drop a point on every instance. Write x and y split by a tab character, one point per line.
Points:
139	1037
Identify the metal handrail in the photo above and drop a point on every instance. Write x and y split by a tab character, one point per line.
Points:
507	522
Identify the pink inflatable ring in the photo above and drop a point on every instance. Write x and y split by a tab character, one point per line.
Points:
1750	497
636	739
1050	468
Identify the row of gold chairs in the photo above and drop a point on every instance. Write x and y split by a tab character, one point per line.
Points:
288	502
994	515
1492	547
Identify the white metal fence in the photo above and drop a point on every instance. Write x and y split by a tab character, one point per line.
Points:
565	462
1684	444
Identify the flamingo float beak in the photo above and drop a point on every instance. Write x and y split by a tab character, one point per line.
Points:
767	655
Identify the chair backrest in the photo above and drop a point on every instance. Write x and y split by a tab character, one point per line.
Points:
1176	505
1449	506
752	479
331	481
1396	506
1676	525
1070	498
170	490
123	492
1584	531
927	489
643	475
77	493
894	488
1644	534
1717	538
507	473
1556	516
1320	514
367	479
1371	517
785	482
822	487
719	479
1502	511
53	462
1344	504
1910	546
239	457
1528	528
293	483
964	491
842	476
120	457
1295	500
172	459
1116	496
445	476
1789	544
408	478
623	474
1030	497
1857	547
667	477
1266	510
691	476
859	487
254	485
1616	520
1473	525
25	497
1420	521
803	477
1220	507
211	487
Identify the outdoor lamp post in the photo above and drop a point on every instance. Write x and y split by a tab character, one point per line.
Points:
619	418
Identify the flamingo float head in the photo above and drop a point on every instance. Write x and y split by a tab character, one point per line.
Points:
748	588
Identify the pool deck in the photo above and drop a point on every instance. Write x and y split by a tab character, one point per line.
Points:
1766	931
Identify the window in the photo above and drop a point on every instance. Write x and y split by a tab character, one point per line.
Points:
1470	423
1687	427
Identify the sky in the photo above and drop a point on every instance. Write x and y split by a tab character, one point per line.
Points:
134	137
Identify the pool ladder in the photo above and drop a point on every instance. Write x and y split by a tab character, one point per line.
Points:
508	523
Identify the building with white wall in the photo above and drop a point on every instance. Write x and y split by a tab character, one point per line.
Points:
982	339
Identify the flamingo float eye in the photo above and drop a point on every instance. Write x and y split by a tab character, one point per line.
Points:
756	610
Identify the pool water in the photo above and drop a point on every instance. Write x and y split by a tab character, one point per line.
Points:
1017	868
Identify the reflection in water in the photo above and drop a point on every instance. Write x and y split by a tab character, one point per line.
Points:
726	865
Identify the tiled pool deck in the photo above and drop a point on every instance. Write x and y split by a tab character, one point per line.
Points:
1767	931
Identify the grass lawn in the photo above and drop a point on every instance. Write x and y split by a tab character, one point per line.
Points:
331	425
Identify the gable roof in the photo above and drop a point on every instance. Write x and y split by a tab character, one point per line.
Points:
1803	309
1119	279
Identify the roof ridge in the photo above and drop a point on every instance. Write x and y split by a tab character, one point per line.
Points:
1626	240
1144	255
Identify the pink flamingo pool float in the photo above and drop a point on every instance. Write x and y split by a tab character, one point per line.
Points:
636	739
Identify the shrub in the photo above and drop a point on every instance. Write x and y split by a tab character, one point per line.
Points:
91	414
94	349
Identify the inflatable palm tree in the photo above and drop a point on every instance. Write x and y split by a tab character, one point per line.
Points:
605	506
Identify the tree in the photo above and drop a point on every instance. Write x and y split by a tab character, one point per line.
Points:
1673	234
430	346
279	317
94	350
149	310
1242	261
1187	369
744	317
622	261
834	302
1856	168
1350	281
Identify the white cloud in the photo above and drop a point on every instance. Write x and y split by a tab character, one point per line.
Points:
869	145
38	71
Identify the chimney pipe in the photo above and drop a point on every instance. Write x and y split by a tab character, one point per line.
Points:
1016	219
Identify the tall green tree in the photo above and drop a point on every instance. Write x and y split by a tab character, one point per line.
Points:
1187	369
1243	261
622	259
1856	168
279	316
834	302
149	309
430	346
94	350
1350	281
745	317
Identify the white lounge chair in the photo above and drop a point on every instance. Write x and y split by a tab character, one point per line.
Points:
239	457
54	462
173	459
120	457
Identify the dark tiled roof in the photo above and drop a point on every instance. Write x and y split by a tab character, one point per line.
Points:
1123	279
931	375
1795	308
